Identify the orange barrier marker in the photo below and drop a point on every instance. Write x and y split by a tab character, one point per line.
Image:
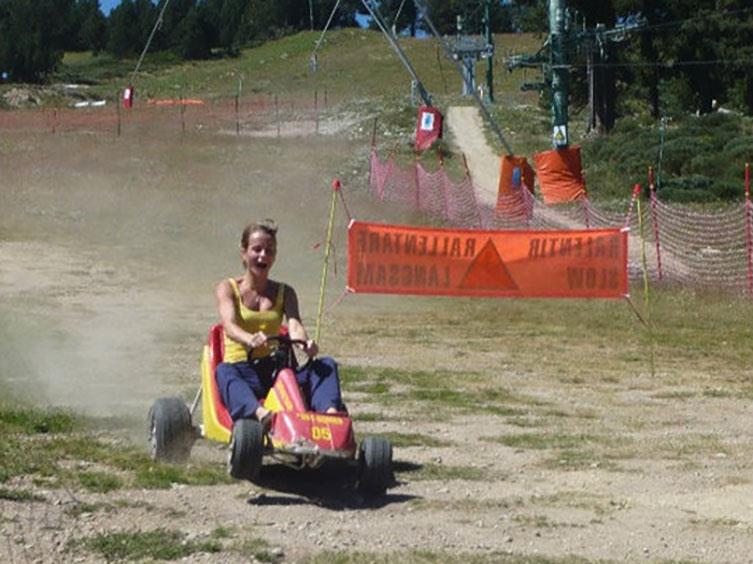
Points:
399	259
560	175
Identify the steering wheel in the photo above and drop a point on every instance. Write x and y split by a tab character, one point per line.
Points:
286	345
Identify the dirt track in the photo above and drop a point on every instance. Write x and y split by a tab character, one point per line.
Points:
108	256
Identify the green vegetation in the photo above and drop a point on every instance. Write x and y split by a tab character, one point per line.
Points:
40	442
414	439
703	158
161	544
445	472
19	495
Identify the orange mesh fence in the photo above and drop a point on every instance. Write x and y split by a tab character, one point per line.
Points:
560	175
250	114
399	259
510	179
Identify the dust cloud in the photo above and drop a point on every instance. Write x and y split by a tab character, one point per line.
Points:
110	249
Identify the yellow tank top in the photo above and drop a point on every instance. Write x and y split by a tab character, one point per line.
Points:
254	321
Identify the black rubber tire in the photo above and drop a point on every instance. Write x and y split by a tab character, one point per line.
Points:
374	466
246	450
169	430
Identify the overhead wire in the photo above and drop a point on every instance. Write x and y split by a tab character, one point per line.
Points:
149	40
324	31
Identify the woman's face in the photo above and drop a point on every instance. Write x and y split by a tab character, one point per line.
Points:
260	254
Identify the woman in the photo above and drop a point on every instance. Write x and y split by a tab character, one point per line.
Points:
251	308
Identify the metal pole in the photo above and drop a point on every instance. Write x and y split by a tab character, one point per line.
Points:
327	247
394	44
489	119
490	60
560	73
749	229
149	41
655	219
646	287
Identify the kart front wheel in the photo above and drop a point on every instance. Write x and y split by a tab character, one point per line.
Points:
171	435
374	465
246	449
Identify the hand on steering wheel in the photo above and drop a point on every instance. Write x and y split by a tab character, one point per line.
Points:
309	347
257	340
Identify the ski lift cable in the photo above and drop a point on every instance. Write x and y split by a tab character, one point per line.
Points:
374	13
149	41
397	15
326	27
424	14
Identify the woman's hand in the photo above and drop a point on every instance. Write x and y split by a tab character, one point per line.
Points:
311	348
256	340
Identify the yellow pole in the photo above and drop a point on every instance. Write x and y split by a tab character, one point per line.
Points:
646	288
325	268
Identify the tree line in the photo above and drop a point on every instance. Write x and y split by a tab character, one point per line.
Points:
684	55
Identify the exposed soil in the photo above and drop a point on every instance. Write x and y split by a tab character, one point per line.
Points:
109	250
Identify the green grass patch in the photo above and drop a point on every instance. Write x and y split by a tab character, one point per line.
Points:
34	420
435	391
444	472
20	495
40	443
160	544
259	549
539	441
415	439
99	482
690	445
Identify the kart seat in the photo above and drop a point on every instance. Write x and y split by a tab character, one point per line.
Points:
216	353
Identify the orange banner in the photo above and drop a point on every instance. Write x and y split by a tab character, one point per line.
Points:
399	259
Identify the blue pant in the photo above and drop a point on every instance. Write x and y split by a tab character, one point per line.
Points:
243	384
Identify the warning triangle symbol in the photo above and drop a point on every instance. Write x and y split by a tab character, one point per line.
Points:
488	272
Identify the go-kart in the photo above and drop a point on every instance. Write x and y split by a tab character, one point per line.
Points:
297	436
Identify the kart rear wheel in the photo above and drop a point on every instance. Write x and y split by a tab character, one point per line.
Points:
171	435
246	449
374	466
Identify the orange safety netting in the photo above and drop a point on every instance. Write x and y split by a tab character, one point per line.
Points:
399	259
510	179
560	175
515	194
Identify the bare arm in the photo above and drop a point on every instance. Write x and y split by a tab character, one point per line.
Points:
295	325
228	317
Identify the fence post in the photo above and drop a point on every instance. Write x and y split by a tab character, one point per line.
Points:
117	111
182	113
655	220
416	181
316	109
277	116
238	107
636	193
749	229
586	218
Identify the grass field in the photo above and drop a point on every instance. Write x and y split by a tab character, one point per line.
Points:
523	429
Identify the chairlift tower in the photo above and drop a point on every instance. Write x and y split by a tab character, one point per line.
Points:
554	61
469	50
